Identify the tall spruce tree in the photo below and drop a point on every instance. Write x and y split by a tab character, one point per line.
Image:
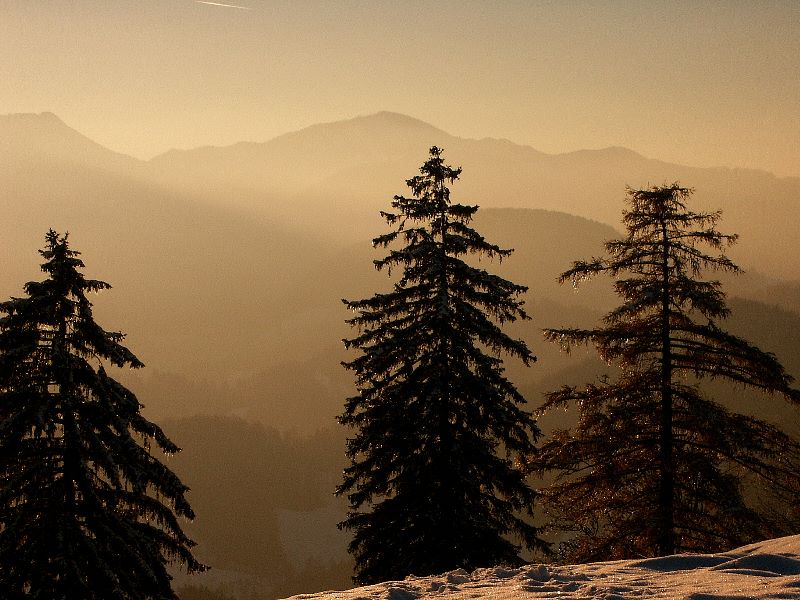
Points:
654	466
435	481
86	509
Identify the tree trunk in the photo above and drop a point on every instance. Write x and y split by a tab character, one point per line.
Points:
666	541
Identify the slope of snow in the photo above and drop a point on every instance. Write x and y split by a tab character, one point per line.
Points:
765	570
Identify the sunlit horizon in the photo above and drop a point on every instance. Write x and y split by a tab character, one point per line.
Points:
694	84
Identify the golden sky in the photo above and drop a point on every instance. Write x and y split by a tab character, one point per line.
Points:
706	83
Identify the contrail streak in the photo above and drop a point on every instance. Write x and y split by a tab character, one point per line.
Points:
221	4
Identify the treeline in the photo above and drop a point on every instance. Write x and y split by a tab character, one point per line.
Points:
442	446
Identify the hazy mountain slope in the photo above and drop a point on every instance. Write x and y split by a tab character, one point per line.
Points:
299	383
232	314
347	169
232	309
195	288
305	388
194	284
592	184
783	294
245	479
293	161
44	137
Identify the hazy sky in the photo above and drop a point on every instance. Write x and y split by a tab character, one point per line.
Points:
701	82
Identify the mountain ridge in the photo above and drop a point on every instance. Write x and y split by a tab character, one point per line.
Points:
334	177
45	134
384	115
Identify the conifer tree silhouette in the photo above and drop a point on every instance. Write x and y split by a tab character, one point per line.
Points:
86	509
435	482
654	465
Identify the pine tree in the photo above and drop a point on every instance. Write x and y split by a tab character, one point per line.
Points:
435	482
654	465
86	510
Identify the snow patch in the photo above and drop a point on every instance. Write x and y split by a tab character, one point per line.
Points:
767	570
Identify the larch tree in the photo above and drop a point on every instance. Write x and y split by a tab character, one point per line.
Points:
87	510
655	466
436	480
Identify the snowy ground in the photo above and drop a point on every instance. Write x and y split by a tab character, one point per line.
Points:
769	569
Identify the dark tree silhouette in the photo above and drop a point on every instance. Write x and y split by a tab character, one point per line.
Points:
86	510
435	481
654	466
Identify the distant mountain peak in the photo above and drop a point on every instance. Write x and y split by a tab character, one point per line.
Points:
380	121
49	116
616	152
620	151
395	118
45	135
42	118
